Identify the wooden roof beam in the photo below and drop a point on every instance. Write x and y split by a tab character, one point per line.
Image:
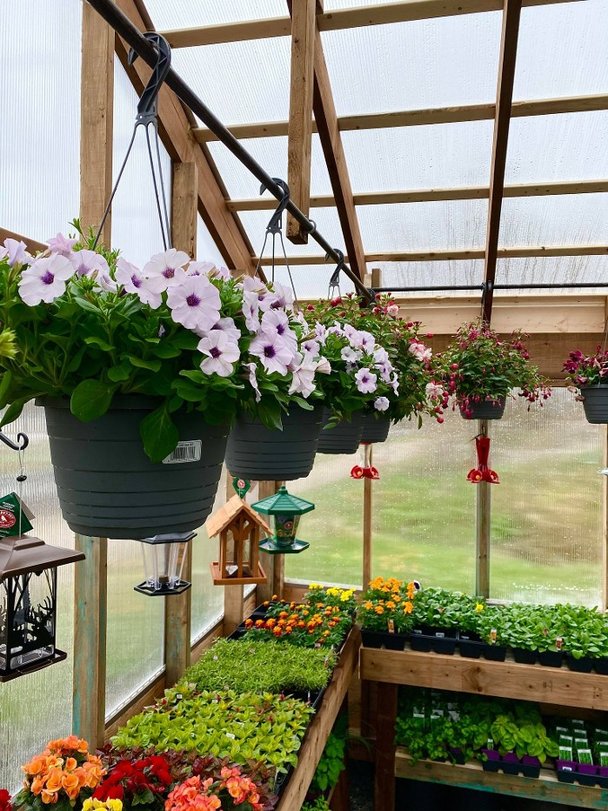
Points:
377	198
339	19
504	99
414	118
175	128
552	251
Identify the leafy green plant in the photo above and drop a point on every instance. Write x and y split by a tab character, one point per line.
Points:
320	804
522	731
333	760
266	728
258	666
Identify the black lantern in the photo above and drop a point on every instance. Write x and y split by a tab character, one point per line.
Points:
285	510
164	558
28	604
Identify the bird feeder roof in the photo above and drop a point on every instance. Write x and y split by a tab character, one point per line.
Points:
222	519
283	502
29	554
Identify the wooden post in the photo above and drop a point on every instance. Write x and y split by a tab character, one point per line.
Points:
90	577
367	526
273	565
384	787
605	519
90	616
483	517
233	607
299	140
178	607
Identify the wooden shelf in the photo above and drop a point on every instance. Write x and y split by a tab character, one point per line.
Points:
472	776
321	725
548	685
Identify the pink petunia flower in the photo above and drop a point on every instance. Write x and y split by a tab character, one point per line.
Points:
420	351
62	245
194	303
45	279
221	353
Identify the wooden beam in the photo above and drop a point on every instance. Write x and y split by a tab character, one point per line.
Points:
331	143
175	127
457	254
340	19
378	198
96	121
299	141
32	245
415	118
504	98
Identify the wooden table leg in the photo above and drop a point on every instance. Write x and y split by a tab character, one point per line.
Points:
384	786
340	800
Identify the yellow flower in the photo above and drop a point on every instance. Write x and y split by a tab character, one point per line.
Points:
368	605
346	595
390	604
408	608
313	586
479	607
103	805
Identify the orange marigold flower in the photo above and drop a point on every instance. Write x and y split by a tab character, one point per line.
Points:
259	623
248	623
271	623
390	604
277	631
283	614
379	609
408	607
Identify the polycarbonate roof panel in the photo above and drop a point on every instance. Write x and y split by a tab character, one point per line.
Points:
311	281
570	219
169	14
439	225
327	221
432	156
570	146
271	154
562	50
547	270
420	274
426	63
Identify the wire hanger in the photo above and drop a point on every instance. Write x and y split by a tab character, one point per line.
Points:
22	439
148	119
333	289
275	228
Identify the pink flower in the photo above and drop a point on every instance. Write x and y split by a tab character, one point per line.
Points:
168	266
45	279
274	352
133	281
61	244
221	353
88	262
392	310
381	403
434	390
420	351
194	303
366	381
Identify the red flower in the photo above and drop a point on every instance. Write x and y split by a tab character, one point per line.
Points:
5	800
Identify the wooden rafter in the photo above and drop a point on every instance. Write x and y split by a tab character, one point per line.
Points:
32	245
504	98
339	19
432	115
443	255
430	195
175	130
299	143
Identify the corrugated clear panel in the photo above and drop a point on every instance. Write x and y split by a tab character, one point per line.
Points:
168	14
570	146
575	32
271	154
311	281
326	220
423	518
412	65
558	270
572	219
135	224
334	528
38	707
547	511
240	82
135	630
437	225
423	157
39	142
206	249
207	599
421	274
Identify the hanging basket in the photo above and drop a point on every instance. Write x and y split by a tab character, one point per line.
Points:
484	410
345	437
375	429
264	454
108	487
595	403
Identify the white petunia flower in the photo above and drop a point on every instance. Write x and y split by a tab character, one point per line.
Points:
366	381
168	266
221	353
381	403
45	279
195	303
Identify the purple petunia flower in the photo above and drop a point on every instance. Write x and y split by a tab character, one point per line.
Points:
86	263
15	250
366	381
195	303
133	281
274	352
381	403
221	353
61	244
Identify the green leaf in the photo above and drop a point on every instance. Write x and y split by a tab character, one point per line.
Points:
159	434
5	383
84	304
13	411
91	399
141	363
95	341
119	373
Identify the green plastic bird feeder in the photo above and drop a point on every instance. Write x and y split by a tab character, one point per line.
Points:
285	510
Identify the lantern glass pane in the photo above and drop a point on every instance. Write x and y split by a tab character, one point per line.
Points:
163	564
29	610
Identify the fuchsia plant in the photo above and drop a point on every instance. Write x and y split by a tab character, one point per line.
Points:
587	370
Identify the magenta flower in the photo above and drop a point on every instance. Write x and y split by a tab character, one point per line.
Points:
168	266
194	303
366	381
221	353
45	279
273	351
61	244
86	263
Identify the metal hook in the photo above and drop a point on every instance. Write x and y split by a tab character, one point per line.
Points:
23	440
275	223
146	108
334	283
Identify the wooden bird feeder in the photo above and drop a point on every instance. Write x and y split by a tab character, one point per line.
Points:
239	528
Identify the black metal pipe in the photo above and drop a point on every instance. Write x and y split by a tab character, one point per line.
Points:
481	286
125	28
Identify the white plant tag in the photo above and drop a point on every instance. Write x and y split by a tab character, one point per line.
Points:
187	451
